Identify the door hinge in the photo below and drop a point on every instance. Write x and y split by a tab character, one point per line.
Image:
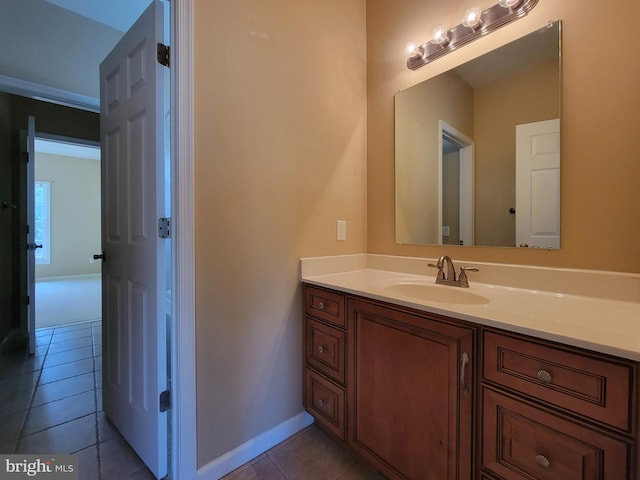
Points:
163	54
164	227
165	400
28	300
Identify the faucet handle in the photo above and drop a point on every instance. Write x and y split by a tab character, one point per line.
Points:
469	269
463	281
440	274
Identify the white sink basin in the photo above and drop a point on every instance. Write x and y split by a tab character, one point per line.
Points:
435	293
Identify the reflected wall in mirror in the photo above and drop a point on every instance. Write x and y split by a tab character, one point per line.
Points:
478	150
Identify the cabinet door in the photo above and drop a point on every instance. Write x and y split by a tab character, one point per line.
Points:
409	393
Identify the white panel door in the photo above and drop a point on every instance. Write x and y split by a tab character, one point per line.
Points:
134	313
538	184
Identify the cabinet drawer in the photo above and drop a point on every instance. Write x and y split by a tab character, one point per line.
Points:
593	387
324	349
325	305
325	401
523	442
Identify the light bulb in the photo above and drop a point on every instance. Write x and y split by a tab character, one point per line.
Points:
472	17
439	35
412	49
509	3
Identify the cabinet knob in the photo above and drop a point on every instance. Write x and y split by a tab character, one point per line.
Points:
544	376
543	461
321	403
320	349
321	305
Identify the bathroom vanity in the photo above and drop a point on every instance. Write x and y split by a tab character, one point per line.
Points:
402	405
425	389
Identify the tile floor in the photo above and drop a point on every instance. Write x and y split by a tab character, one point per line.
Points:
308	455
52	403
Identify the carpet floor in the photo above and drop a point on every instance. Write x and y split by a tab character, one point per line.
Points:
64	300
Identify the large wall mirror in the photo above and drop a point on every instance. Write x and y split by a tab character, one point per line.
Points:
478	150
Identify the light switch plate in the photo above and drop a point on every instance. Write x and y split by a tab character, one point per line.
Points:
341	230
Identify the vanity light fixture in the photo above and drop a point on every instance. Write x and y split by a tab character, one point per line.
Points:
475	23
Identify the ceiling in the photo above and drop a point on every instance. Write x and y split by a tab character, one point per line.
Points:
78	33
118	14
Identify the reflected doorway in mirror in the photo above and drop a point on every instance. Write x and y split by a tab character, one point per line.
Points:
456	186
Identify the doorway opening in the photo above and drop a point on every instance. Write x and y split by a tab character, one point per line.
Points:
67	225
456	167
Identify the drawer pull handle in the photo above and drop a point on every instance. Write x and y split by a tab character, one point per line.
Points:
543	461
544	376
320	349
321	305
321	403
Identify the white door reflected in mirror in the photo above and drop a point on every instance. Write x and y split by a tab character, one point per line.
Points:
538	184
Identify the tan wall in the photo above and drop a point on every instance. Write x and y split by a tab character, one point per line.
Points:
600	143
528	97
75	213
280	155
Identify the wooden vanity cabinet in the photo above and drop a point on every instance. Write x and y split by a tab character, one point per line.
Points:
552	412
398	387
399	392
410	392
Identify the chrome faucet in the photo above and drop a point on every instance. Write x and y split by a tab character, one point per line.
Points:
450	277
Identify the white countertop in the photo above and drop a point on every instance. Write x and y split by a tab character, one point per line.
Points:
599	324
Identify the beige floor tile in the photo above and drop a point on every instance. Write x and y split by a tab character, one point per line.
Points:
60	411
261	468
143	474
357	472
67	387
14	400
106	430
71	389
67	438
11	426
118	459
88	467
312	455
68	370
8	447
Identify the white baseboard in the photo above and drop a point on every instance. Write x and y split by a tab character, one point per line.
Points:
254	447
